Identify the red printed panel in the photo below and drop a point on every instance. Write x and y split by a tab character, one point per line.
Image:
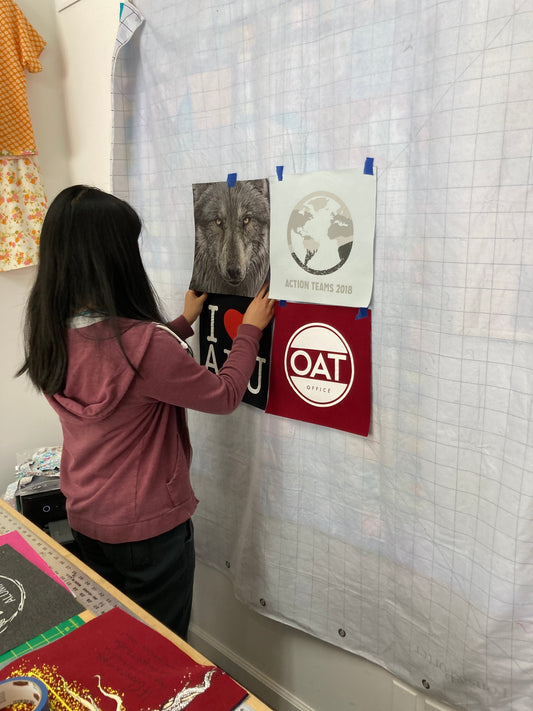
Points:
321	367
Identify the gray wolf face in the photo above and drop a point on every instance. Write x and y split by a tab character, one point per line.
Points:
231	237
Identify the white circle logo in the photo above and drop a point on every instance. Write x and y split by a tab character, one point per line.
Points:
319	365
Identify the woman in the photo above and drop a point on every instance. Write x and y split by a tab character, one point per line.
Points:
120	382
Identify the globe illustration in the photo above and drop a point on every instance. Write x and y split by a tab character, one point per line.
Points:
320	233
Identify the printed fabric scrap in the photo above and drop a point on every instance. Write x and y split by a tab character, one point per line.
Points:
22	196
22	210
117	663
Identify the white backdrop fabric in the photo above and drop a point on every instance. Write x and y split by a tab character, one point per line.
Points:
412	547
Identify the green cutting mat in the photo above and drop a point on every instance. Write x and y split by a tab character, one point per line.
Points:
49	636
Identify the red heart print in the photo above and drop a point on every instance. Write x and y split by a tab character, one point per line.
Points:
232	321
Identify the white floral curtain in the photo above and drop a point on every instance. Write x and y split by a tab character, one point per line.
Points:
412	547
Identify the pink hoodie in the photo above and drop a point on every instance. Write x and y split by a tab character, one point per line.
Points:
126	447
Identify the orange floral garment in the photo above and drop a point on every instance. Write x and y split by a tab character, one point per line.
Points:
22	209
20	48
22	196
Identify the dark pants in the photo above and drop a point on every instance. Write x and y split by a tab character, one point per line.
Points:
157	573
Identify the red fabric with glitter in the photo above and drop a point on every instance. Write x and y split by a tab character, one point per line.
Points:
116	663
320	368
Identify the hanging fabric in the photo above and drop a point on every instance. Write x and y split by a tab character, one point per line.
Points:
413	546
22	196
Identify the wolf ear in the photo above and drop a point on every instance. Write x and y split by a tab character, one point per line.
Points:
262	186
197	190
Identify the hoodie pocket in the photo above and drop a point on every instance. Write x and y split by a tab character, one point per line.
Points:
179	485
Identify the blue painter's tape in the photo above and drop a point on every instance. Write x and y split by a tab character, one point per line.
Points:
361	313
26	690
282	303
279	171
369	166
232	179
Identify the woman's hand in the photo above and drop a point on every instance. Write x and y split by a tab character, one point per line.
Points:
261	310
194	303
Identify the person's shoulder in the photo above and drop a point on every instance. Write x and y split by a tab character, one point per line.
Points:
130	324
136	335
166	334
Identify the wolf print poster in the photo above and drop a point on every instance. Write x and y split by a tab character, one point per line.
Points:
320	370
219	321
231	237
322	237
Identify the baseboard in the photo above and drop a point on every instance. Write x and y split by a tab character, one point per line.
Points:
258	683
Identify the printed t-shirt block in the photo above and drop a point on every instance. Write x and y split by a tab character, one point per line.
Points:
31	602
322	237
115	662
231	226
219	321
320	370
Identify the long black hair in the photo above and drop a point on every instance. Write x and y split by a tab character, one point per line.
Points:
88	258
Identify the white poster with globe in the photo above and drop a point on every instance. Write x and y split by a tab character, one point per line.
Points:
322	229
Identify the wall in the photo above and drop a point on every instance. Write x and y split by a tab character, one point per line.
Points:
70	107
26	421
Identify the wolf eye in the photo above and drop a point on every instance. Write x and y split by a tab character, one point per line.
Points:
246	220
218	221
